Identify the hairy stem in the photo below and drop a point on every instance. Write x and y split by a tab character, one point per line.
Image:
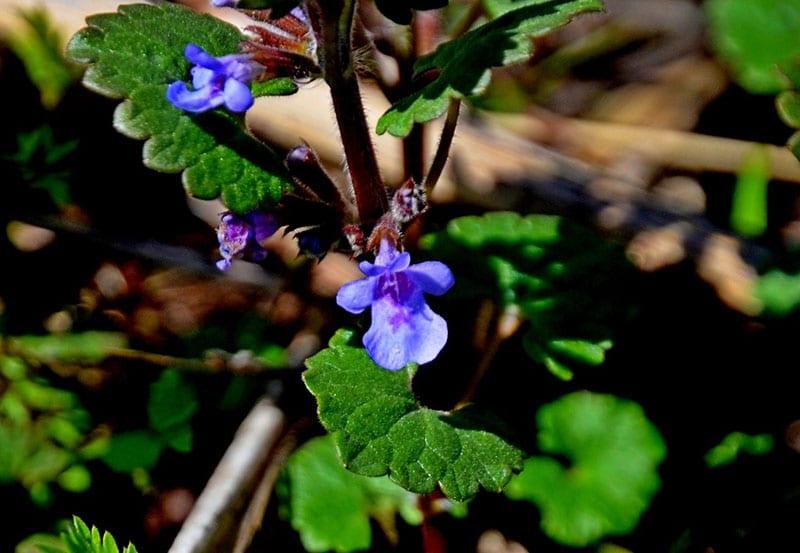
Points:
333	21
443	149
432	539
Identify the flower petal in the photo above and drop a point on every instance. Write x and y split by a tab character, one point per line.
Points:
357	295
237	96
371	270
434	277
194	101
200	57
201	76
402	334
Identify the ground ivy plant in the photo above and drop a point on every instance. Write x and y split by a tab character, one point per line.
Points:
184	82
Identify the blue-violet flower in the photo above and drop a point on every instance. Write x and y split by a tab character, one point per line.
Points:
216	81
223	3
404	329
240	236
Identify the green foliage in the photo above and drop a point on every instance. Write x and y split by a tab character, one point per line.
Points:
778	292
757	38
170	408
569	285
38	44
83	347
463	65
735	443
80	539
331	507
749	209
274	87
44	434
614	452
39	163
133	55
379	427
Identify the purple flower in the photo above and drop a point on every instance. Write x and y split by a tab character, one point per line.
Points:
404	328
241	236
216	81
223	3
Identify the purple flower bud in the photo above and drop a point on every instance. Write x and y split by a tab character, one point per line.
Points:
216	81
223	3
404	329
240	237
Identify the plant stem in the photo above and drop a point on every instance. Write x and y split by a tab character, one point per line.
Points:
432	539
443	149
334	24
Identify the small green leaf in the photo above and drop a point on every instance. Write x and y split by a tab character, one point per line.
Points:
80	539
614	452
463	65
379	427
274	87
735	443
749	209
132	450
75	479
84	347
331	507
180	438
757	38
133	55
172	401
779	292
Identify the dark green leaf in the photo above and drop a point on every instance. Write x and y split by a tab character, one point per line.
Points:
180	438
134	54
463	66
614	452
757	38
379	427
133	450
172	401
331	507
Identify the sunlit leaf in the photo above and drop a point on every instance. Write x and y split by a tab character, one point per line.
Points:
79	538
133	55
379	427
613	452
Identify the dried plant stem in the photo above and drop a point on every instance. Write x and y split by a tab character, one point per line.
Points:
443	149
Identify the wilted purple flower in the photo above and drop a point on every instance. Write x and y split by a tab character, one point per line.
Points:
216	81
240	236
404	329
223	3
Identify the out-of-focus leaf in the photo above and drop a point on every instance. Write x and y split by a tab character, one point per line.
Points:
172	401
80	539
463	66
132	450
84	347
749	210
180	438
736	443
779	292
75	479
331	507
133	55
38	44
41	543
379	428
613	453
570	285
757	38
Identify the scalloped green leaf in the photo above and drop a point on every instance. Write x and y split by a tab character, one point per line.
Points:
331	507
379	427
463	65
613	452
566	282
757	39
134	54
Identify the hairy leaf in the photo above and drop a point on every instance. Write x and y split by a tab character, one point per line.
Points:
757	38
463	66
379	427
613	453
331	507
133	55
567	283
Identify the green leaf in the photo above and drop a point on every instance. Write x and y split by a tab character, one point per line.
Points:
132	450
133	55
331	507
75	479
735	443
274	87
749	209
41	543
173	401
180	438
379	427
789	108
757	38
464	65
614	452
80	539
569	285
778	292
85	347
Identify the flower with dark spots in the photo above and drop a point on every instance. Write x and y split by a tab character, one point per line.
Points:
240	237
216	81
404	329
